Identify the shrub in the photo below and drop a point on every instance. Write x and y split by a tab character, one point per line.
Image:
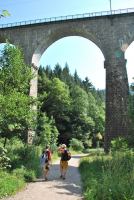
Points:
27	156
29	175
4	160
86	150
119	144
19	172
76	145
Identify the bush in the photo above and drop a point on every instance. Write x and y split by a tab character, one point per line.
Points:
23	155
76	145
87	144
27	175
119	144
19	172
86	150
27	156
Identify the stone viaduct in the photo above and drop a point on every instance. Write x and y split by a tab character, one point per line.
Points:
112	32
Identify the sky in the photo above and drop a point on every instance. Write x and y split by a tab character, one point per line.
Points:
78	52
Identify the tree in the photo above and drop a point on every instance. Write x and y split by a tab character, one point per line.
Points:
87	84
48	71
81	123
77	78
15	75
47	131
57	99
56	103
79	100
4	13
66	76
97	113
57	71
16	114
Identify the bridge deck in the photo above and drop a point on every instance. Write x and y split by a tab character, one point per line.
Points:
69	17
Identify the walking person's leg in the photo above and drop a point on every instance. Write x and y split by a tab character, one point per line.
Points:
61	169
64	171
42	172
46	170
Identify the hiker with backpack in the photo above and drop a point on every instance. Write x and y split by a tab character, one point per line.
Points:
65	157
45	160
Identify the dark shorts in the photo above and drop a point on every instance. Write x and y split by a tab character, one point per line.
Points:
46	167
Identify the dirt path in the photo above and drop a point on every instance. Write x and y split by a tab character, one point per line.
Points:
55	188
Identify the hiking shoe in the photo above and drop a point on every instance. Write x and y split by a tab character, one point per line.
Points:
46	179
61	176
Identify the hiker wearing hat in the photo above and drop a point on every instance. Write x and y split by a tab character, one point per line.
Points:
65	157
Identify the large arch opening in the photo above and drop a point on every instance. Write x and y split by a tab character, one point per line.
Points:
81	54
84	57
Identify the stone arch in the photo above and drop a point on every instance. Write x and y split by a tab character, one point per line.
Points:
60	34
53	37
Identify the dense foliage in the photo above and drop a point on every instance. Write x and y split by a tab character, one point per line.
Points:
76	106
16	116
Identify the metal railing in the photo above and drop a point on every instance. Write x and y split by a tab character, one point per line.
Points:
68	17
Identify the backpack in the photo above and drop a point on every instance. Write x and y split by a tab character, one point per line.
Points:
44	158
66	156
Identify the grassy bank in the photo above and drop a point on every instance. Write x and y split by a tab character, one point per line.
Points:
108	177
25	167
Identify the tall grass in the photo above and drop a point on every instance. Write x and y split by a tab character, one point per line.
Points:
108	177
10	184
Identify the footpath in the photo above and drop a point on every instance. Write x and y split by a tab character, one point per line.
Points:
55	188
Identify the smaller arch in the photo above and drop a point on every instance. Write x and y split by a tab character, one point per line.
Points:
130	62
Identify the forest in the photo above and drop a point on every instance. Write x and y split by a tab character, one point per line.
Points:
73	106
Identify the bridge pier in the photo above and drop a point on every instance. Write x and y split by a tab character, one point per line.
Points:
116	99
33	93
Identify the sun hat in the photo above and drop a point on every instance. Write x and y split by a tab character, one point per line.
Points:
63	146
